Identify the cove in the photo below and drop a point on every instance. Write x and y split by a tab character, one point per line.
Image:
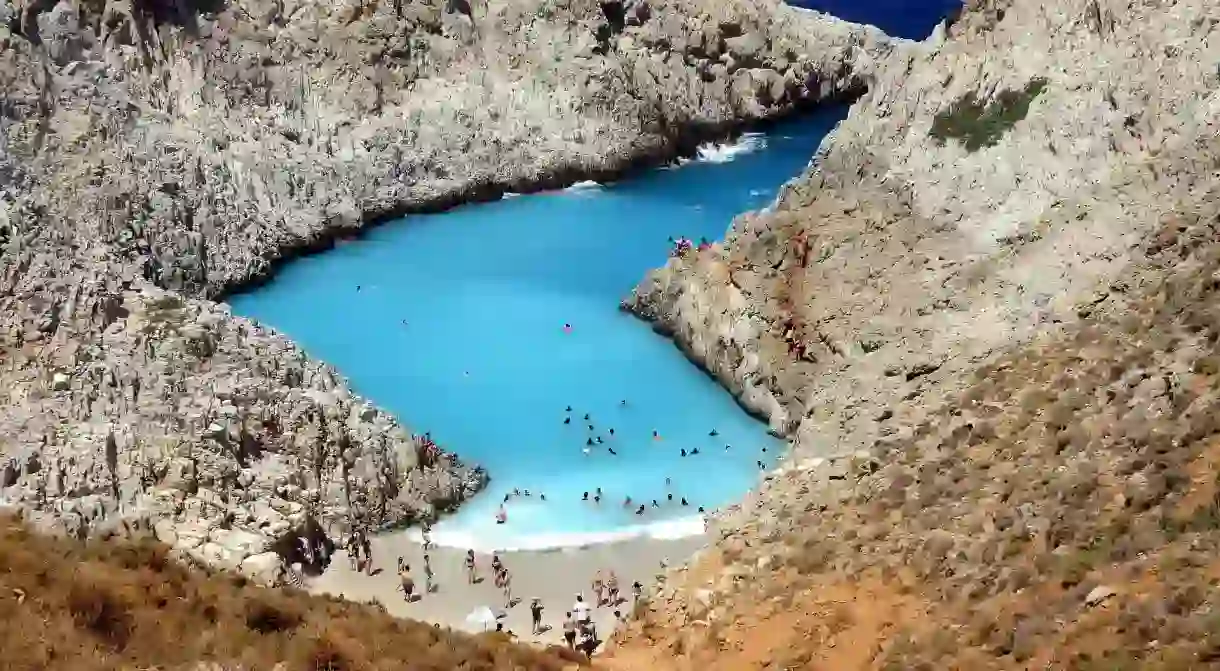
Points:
455	322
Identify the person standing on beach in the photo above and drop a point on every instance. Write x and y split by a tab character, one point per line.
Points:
612	589
637	590
366	547
536	615
580	609
408	583
427	574
470	567
598	588
569	630
427	535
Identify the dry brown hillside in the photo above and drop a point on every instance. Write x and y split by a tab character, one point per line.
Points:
124	605
1062	512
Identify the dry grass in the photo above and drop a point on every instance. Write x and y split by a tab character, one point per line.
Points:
122	605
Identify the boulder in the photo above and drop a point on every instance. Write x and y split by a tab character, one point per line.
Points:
265	568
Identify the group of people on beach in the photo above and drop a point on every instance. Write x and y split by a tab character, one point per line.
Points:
406	582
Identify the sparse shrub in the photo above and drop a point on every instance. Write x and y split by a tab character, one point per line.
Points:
979	124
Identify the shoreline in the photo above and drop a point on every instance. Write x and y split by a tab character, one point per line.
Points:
554	576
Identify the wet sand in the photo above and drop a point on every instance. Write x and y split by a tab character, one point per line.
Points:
553	576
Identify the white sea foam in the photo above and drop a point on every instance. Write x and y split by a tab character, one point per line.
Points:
715	152
504	540
510	194
585	185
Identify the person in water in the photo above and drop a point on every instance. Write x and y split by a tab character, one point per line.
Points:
585	497
713	433
589	442
597	499
611	450
627	502
640	510
471	569
586	416
612	430
599	440
655	504
684	501
684	451
567	420
568	409
670	496
501	515
694	451
656	435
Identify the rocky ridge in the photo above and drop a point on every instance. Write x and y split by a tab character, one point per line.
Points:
156	156
1047	176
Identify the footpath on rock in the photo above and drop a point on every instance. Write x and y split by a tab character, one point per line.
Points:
156	157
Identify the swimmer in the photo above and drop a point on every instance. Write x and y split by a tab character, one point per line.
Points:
668	482
590	427
623	402
700	508
684	451
501	515
516	492
656	435
713	433
567	420
599	440
597	499
694	451
357	287
526	492
684	501
589	443
671	496
568	409
599	491
760	464
542	497
612	431
586	451
627	502
506	497
764	450
640	510
655	504
611	450
726	448
586	416
585	497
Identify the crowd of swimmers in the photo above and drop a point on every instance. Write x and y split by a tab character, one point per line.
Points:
597	495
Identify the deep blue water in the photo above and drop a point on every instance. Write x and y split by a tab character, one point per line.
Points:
913	19
484	363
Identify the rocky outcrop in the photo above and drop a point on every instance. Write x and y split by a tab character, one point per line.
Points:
905	255
948	314
156	156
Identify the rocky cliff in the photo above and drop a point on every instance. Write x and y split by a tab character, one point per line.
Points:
1043	173
156	155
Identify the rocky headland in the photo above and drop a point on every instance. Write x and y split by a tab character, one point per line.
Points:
156	156
985	317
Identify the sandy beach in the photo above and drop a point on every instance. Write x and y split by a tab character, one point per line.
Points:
553	576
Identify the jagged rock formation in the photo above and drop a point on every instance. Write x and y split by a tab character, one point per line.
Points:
155	156
1047	175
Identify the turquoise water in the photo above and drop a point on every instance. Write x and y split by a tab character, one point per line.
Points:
458	327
